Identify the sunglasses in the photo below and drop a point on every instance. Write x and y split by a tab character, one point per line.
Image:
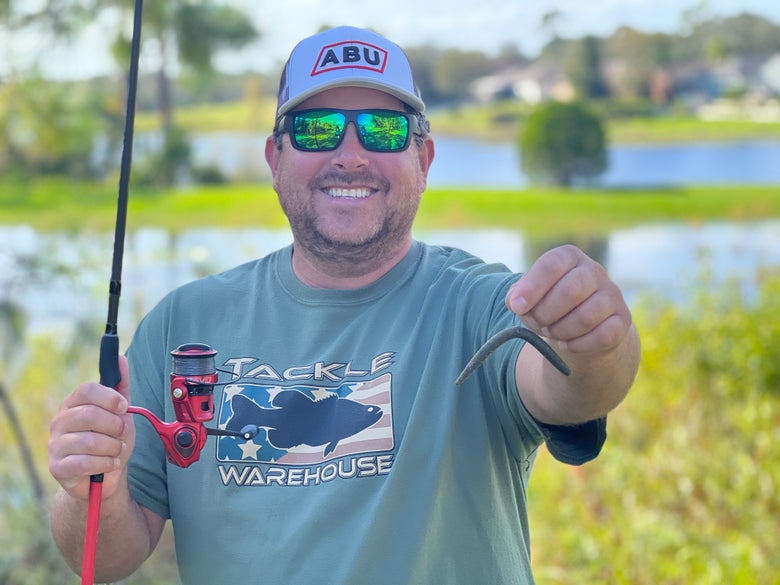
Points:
323	129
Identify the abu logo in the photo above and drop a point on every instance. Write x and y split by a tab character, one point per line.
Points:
350	54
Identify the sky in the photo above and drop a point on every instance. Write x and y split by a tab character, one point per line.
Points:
485	25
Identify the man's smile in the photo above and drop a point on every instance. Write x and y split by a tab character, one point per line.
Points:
348	193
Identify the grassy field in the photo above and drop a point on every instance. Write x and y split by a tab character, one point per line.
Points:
59	204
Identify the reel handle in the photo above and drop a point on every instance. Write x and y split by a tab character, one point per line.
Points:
183	440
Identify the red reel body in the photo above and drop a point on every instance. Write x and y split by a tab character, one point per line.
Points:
192	392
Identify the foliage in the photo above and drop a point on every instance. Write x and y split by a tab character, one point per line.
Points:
203	28
743	34
639	55
584	68
163	167
454	71
562	143
686	489
628	121
28	555
632	56
189	32
45	128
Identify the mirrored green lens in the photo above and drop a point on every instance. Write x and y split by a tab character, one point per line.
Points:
383	131
318	130
321	130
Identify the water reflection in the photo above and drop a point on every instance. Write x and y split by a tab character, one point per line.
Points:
669	260
664	260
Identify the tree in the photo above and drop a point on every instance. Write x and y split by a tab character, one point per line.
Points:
584	68
561	143
455	69
44	127
628	48
53	130
549	23
189	32
47	128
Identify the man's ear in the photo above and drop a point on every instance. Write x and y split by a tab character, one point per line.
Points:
272	154
425	156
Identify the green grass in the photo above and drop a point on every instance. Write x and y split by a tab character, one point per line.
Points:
60	204
537	212
688	129
243	116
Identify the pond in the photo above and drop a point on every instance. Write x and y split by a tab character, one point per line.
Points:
470	163
59	279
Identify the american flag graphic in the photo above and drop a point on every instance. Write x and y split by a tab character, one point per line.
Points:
306	425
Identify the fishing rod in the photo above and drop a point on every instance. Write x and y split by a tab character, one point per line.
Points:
108	365
194	372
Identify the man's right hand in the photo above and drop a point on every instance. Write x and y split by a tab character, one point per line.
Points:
92	433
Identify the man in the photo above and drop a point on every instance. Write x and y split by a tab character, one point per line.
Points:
370	465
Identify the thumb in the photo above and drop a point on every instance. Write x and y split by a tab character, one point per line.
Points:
124	383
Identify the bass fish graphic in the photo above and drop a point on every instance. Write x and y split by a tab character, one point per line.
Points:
296	419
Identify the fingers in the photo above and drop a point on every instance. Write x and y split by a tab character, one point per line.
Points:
92	433
569	298
543	275
93	394
74	456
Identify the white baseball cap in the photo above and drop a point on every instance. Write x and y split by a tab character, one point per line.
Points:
346	56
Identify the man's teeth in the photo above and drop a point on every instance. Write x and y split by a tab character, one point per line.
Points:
351	193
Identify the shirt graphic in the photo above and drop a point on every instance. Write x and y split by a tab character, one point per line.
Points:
306	425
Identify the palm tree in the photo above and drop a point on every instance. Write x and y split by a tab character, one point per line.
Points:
549	23
189	32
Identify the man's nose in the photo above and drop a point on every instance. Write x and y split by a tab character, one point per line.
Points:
350	153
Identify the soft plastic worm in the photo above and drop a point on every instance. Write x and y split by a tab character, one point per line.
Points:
498	339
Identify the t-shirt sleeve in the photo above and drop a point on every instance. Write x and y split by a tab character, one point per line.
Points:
576	444
573	445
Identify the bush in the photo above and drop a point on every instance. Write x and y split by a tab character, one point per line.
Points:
171	164
46	128
686	488
562	143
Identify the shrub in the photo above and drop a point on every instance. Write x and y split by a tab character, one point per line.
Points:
686	488
562	143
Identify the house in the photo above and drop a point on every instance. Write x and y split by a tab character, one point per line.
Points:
769	74
531	84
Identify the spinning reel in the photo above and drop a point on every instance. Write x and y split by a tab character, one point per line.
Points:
192	392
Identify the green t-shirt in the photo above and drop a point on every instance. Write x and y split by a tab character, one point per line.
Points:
370	466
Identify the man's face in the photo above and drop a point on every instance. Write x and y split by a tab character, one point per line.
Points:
349	203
